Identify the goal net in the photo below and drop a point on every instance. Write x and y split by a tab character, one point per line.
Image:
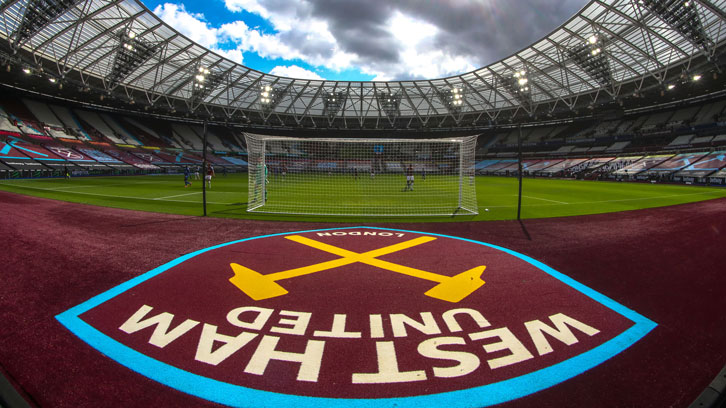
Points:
370	177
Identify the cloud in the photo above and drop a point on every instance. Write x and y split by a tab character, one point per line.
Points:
294	71
388	39
191	25
197	29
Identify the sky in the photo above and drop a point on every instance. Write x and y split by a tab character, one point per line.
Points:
365	40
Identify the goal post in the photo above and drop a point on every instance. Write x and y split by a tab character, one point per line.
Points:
361	177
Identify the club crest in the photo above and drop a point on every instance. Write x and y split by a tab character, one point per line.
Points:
357	316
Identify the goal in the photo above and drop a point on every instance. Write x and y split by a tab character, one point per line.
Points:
361	177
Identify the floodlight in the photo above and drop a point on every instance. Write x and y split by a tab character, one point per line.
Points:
27	71
592	39
696	77
682	17
671	86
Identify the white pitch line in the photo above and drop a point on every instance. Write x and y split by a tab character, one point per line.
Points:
178	195
115	196
545	199
101	185
608	201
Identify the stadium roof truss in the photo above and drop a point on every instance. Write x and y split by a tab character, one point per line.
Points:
121	50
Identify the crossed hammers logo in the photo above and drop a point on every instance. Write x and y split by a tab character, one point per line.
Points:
449	288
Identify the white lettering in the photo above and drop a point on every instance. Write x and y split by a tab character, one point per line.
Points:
368	233
376	326
310	360
299	323
508	341
427	325
231	345
561	332
338	329
161	335
450	318
354	233
323	234
385	234
388	371
338	233
468	362
233	317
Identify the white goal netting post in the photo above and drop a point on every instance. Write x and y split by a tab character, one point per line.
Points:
361	177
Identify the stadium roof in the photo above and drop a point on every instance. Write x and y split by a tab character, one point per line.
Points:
121	51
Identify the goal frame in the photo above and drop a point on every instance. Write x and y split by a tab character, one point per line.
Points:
257	190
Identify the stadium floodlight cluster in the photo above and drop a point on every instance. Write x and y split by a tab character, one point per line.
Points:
270	96
131	53
389	103
683	17
519	86
591	58
453	99
334	101
361	177
205	81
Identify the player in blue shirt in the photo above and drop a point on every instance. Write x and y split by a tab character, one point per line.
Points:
187	183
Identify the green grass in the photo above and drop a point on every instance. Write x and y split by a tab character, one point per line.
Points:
228	197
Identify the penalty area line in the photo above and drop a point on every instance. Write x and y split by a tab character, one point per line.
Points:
178	195
606	201
545	199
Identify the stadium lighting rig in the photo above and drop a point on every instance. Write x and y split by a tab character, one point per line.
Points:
519	86
389	103
682	16
38	13
591	57
204	82
333	102
131	53
269	97
453	99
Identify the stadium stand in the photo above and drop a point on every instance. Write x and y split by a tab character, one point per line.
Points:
120	132
646	163
97	141
561	166
149	136
70	122
617	146
188	136
131	159
674	164
541	166
99	125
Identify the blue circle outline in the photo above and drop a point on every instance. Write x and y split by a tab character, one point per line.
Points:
239	396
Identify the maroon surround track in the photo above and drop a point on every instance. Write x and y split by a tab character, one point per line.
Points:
667	264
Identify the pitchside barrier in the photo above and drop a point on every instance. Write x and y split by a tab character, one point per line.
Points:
361	177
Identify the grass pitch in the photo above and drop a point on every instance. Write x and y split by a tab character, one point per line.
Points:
496	196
